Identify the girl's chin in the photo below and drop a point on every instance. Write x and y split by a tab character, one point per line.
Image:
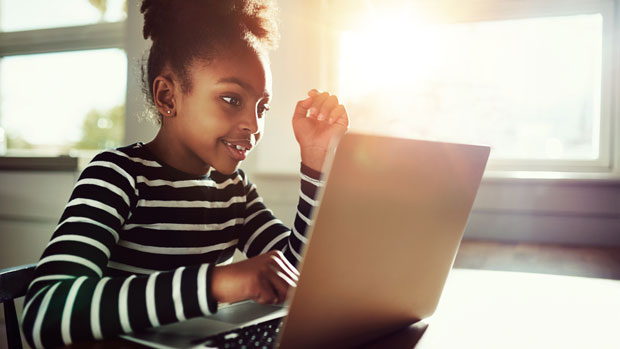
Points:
227	169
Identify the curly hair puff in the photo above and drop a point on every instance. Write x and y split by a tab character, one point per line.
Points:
185	30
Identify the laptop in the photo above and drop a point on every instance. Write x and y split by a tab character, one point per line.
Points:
391	217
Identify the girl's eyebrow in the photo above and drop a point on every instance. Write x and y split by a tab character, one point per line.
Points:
243	84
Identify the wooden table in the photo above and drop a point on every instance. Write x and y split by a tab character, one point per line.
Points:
494	309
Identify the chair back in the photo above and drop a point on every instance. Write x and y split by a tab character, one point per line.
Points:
13	284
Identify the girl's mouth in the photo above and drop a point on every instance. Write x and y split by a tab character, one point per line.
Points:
238	150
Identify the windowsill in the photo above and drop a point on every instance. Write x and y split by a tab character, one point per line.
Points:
552	177
64	163
70	163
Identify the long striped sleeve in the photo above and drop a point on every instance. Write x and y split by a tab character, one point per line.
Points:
263	232
75	295
137	242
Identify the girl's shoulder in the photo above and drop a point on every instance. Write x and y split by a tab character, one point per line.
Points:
136	153
132	159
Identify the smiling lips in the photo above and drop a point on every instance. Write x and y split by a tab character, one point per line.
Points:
238	148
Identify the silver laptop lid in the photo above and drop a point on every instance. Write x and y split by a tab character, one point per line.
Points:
391	218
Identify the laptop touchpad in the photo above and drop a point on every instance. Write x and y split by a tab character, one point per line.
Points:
247	312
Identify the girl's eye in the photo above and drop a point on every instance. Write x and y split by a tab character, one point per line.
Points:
262	109
232	100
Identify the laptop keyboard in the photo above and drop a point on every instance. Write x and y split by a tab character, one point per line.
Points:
262	335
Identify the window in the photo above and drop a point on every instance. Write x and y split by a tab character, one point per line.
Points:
53	102
63	75
529	79
20	15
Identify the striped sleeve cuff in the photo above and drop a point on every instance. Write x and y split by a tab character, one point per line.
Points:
313	174
208	304
212	303
310	184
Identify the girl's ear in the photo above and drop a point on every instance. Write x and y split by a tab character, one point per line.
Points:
163	95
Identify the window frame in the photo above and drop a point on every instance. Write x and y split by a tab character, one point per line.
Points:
84	37
61	39
607	166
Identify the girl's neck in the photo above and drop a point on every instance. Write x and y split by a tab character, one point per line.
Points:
174	155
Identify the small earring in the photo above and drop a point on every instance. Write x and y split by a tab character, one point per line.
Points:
169	112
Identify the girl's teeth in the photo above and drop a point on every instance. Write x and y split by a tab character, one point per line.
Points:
238	147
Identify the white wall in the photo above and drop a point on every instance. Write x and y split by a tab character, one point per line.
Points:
30	206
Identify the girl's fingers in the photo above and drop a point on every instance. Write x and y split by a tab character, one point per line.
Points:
290	266
280	283
339	115
301	109
322	106
267	294
284	266
327	107
317	103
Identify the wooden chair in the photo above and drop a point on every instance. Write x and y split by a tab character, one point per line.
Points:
13	284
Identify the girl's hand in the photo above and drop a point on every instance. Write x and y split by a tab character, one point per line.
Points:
265	279
318	121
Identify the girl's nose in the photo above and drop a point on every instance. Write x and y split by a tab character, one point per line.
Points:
251	123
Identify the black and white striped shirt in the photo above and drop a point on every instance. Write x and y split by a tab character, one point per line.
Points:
137	242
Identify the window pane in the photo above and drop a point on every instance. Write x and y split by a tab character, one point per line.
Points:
60	101
16	15
530	88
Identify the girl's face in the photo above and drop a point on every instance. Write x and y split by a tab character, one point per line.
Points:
222	118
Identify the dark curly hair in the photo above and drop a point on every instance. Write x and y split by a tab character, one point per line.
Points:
186	30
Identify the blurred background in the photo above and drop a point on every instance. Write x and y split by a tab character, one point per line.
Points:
535	79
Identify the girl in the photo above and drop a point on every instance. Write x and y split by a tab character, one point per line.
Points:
143	237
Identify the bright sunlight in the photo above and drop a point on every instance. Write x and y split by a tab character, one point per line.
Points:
531	88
